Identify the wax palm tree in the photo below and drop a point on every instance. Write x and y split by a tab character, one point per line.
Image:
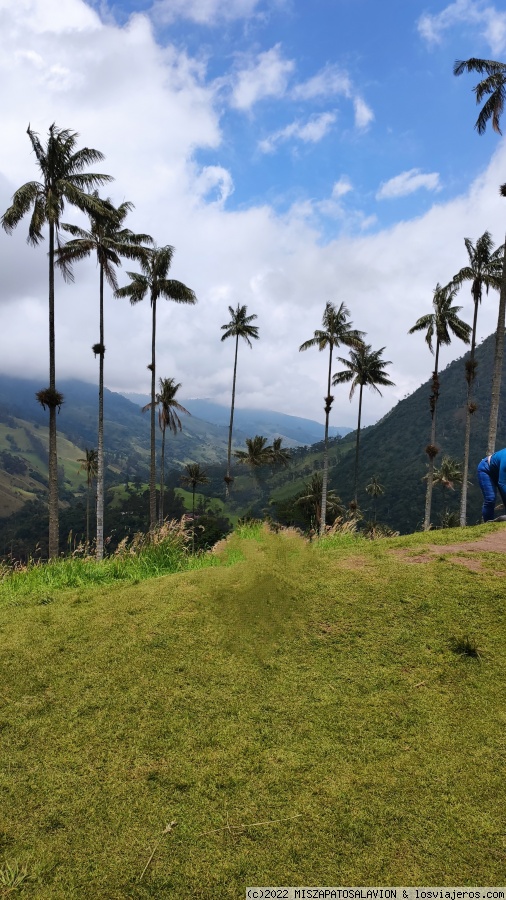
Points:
109	241
153	282
336	330
449	473
239	327
439	324
365	368
493	87
168	409
258	453
192	476
63	181
375	490
89	464
484	272
280	456
311	500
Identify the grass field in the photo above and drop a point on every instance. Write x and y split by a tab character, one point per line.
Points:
349	701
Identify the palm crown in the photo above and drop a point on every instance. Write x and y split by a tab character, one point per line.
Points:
493	86
365	368
168	406
443	320
337	329
240	325
63	181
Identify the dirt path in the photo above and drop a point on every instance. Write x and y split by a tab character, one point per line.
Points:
490	543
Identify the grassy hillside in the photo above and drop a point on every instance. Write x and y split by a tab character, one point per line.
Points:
301	716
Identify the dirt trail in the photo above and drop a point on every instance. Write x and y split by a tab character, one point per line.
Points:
490	543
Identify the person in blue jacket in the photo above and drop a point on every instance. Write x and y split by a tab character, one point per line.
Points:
492	478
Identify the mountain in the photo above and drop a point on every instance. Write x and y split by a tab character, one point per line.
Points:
295	431
23	439
393	450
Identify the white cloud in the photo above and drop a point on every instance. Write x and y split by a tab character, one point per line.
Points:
407	183
204	12
310	132
341	187
265	76
489	20
363	113
332	81
329	81
214	182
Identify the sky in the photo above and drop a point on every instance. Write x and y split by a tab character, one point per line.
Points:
293	153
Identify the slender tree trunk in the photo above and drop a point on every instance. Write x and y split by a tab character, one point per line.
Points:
229	450
467	437
358	442
498	360
327	408
430	473
88	514
162	474
54	533
193	519
100	448
152	468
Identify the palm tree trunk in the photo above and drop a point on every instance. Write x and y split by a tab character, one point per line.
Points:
229	450
193	519
162	473
54	536
430	473
467	437
358	442
88	513
328	406
498	360
100	447
152	468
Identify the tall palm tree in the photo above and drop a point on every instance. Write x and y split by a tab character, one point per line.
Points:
311	500
493	87
89	464
484	271
336	330
63	180
439	323
375	490
153	282
280	456
258	452
192	476
239	327
168	409
109	241
365	368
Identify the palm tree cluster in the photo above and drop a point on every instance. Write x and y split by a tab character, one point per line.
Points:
64	181
486	269
365	367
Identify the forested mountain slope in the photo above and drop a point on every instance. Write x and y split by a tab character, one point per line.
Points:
394	448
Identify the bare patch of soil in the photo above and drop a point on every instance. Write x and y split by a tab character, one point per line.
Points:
490	543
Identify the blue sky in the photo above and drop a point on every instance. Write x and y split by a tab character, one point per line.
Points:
293	152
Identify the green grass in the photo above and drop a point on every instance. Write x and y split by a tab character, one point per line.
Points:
317	688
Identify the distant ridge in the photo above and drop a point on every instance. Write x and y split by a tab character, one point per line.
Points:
295	430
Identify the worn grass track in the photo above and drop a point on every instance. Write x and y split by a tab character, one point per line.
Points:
314	685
